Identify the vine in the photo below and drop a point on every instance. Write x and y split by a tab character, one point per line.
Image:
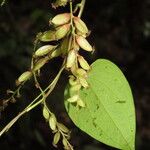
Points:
69	33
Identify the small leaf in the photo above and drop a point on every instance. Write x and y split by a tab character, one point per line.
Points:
109	114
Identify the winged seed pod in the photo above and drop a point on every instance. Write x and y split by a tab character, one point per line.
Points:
83	43
71	59
80	25
52	122
62	31
40	63
56	138
47	36
83	63
61	19
44	50
25	76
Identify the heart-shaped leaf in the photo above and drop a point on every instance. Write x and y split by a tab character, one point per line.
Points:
109	115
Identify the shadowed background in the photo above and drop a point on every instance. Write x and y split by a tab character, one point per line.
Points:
120	33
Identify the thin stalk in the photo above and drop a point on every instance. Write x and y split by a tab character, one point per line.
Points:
33	104
81	8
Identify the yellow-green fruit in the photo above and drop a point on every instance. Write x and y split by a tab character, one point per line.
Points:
62	31
52	122
71	59
81	72
62	127
61	19
64	45
40	64
80	25
55	53
45	113
73	99
47	36
83	63
83	82
73	81
56	138
44	50
25	76
83	43
80	103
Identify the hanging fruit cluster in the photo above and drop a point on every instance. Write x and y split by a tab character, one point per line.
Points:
70	32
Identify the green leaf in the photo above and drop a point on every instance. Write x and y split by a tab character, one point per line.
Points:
109	115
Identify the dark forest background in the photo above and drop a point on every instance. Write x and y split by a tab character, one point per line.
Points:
120	33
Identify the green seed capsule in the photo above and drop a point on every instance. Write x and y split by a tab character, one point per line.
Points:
83	82
62	31
75	88
83	63
65	143
80	103
62	127
73	81
55	53
64	45
25	76
73	99
45	113
80	25
61	19
44	50
83	43
81	72
52	122
47	36
71	59
40	63
56	138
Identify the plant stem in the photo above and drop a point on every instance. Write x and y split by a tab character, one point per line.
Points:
81	8
32	104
